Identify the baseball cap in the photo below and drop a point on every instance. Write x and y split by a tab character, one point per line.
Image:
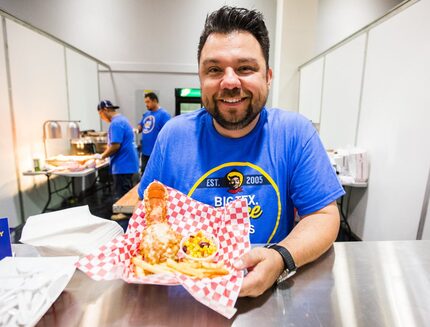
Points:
106	104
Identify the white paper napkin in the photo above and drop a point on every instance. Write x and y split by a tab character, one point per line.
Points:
73	231
29	286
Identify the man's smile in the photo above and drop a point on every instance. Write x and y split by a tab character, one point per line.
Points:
232	100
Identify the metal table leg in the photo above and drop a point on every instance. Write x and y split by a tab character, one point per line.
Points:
45	208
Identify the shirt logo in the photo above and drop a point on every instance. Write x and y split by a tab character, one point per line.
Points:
148	124
243	180
235	181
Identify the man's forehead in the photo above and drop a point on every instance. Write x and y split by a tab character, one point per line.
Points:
231	37
240	60
231	44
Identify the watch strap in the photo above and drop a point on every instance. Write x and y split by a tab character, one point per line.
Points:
289	264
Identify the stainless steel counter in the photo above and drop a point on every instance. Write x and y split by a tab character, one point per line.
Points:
354	284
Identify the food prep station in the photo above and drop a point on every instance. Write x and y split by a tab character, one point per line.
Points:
78	165
86	177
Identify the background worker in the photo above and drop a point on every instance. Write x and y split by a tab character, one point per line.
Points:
279	153
121	148
150	125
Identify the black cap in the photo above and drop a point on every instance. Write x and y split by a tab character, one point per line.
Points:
106	104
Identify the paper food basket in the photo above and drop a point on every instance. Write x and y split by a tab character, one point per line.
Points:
230	224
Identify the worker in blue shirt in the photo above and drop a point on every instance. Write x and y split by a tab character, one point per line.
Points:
150	125
121	148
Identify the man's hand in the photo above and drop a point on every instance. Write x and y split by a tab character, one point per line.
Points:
97	156
311	237
264	267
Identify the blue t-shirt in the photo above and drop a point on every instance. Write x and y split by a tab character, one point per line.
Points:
151	123
125	161
280	165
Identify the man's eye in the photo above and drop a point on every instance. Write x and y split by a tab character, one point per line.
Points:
246	69
213	70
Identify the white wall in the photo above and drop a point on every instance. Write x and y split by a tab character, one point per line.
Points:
131	33
295	44
338	19
39	93
391	101
9	202
341	94
82	88
311	89
394	123
426	227
47	81
309	27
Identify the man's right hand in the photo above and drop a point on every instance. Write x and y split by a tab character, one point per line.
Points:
264	267
97	156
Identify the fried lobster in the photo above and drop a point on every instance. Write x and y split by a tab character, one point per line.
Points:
159	241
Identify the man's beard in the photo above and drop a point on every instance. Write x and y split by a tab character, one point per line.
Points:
232	125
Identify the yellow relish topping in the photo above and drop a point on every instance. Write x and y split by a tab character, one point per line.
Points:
199	246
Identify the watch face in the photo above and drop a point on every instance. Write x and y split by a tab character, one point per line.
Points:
291	273
285	274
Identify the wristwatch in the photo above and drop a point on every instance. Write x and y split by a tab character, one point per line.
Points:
289	264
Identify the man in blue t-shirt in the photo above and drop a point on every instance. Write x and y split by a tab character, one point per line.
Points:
235	147
150	125
121	148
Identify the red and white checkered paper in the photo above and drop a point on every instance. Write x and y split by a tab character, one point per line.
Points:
230	224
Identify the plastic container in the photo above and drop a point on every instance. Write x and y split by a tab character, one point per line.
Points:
36	164
199	246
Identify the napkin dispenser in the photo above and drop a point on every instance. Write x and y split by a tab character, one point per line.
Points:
358	166
352	162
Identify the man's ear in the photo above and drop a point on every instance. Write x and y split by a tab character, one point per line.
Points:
269	77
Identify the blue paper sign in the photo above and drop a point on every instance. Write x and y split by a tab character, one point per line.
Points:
5	246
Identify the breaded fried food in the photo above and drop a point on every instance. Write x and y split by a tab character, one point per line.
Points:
159	243
155	199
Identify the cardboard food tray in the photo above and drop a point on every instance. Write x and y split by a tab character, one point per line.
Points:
230	224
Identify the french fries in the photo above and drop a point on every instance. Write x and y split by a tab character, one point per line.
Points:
189	268
141	267
185	268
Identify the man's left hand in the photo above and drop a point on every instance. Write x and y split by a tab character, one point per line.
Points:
264	267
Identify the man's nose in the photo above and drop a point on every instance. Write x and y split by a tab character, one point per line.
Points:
230	79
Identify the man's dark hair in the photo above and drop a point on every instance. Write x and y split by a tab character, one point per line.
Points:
152	96
229	19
